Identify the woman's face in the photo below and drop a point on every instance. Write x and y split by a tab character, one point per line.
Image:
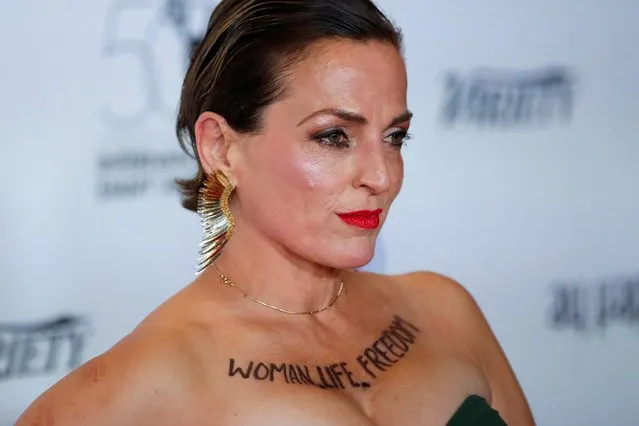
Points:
331	148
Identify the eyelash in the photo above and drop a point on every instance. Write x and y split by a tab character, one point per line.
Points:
322	138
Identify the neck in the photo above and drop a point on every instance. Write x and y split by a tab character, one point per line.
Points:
265	270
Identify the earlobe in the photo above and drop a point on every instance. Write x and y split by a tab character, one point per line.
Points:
212	141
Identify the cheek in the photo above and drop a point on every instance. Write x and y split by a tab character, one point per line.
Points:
306	187
308	171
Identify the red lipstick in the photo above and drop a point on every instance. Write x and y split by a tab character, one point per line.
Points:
367	219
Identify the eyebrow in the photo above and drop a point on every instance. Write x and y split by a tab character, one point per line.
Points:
354	117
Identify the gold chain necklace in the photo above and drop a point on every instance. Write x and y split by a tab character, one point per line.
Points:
226	280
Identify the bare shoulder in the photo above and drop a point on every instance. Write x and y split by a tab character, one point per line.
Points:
440	301
440	304
445	299
428	294
132	383
452	313
438	288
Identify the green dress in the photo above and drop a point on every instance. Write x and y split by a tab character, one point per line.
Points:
475	411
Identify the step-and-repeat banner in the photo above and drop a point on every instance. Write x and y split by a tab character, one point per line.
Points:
522	182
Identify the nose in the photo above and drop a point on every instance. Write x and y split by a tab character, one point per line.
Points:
372	171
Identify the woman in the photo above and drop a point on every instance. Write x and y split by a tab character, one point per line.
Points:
296	112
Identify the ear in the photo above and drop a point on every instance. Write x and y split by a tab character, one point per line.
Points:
213	138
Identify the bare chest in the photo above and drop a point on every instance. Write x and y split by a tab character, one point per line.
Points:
422	389
393	374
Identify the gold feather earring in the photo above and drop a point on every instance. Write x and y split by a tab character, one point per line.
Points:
217	221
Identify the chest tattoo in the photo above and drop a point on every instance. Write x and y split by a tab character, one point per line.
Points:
393	344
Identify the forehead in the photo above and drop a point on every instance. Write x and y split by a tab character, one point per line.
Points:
362	76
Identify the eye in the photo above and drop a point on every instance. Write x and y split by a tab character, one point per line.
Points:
333	137
398	138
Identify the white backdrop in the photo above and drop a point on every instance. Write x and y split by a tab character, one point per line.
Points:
522	182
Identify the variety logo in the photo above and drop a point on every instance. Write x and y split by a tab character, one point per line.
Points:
597	305
145	51
27	350
503	98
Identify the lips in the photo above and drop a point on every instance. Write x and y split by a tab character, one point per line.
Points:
366	219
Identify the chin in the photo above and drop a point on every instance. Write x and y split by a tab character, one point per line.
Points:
354	257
